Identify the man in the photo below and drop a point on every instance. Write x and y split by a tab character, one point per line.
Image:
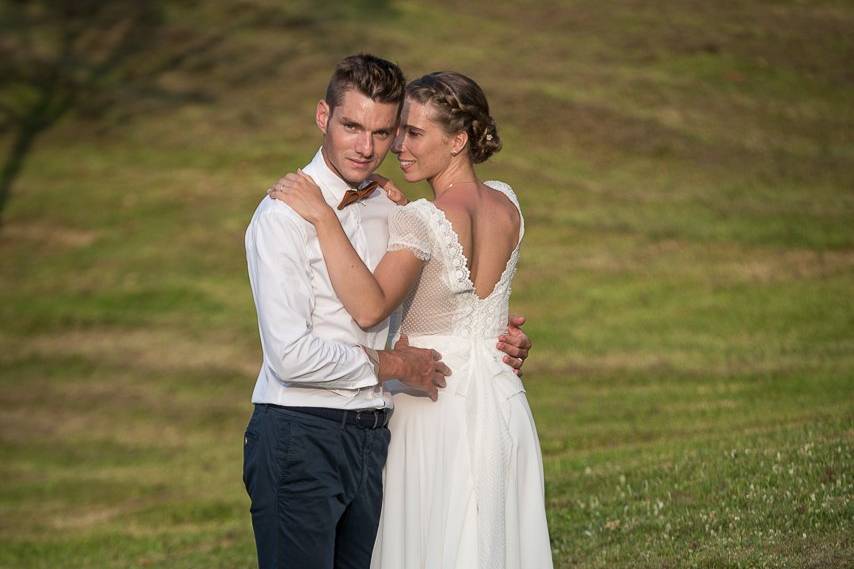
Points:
317	441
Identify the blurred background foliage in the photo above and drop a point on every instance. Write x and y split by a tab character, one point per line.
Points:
685	169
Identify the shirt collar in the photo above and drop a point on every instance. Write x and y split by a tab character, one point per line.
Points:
331	185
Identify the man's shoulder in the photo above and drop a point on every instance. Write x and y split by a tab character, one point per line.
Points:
274	215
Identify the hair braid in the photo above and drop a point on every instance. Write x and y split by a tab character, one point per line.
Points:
461	106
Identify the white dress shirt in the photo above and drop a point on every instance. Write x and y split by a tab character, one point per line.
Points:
310	344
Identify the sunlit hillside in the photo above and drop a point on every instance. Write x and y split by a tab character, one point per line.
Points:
685	169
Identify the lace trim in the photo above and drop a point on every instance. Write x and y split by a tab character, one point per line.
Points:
453	249
417	250
450	242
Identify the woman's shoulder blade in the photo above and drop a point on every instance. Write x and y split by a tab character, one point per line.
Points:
508	192
505	189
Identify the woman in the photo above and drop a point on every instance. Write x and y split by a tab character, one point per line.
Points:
464	481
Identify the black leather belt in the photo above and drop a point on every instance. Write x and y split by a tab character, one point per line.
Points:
365	418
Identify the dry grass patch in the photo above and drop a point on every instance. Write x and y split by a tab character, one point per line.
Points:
46	235
151	351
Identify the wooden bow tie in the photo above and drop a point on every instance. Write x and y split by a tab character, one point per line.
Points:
352	196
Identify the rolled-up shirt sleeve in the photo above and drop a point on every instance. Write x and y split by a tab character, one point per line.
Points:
280	279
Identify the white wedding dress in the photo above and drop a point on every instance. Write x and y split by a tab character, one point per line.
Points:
463	483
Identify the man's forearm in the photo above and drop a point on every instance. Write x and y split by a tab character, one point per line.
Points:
318	362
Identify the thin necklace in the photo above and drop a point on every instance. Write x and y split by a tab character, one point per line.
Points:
451	185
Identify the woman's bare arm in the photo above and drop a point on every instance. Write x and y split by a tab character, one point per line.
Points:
369	298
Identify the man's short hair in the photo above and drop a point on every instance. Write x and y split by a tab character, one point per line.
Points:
374	77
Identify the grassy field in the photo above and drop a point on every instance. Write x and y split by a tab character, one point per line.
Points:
686	169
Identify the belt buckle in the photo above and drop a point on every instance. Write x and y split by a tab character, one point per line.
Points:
376	415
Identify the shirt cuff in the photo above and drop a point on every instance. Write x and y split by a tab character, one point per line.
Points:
374	359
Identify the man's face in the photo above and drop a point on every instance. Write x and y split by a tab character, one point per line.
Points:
357	134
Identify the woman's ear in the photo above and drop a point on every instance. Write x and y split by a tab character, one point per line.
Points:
458	142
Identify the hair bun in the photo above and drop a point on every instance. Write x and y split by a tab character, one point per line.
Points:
484	140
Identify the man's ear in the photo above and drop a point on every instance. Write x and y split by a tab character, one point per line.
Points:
458	142
322	115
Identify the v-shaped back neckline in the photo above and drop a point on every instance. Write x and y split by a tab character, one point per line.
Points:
460	254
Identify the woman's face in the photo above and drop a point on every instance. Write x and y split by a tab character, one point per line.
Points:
422	146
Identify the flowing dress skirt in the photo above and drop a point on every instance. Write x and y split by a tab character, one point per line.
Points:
463	483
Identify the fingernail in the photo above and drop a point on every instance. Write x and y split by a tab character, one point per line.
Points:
500	345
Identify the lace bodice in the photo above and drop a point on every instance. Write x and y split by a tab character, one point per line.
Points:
445	302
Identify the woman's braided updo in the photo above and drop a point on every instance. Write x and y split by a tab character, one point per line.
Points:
460	106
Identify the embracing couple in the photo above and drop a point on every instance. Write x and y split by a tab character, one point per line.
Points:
424	456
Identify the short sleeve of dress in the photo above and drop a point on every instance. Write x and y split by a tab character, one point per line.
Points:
408	229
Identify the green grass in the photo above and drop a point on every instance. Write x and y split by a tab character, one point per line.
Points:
686	174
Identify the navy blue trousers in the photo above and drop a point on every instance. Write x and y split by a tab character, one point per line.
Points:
316	489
